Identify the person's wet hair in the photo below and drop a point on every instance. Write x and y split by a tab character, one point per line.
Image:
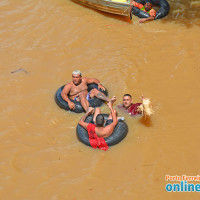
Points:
127	95
149	1
99	120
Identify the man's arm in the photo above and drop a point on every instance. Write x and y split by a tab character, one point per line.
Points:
138	5
82	120
108	130
152	14
146	19
65	92
92	80
64	95
113	113
96	81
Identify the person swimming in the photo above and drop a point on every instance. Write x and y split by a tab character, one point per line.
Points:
143	108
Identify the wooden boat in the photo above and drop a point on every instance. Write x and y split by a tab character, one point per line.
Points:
119	7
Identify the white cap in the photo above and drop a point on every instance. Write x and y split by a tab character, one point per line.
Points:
77	72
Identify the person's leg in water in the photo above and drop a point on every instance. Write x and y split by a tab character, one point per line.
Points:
96	112
100	95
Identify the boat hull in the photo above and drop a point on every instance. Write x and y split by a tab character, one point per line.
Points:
107	6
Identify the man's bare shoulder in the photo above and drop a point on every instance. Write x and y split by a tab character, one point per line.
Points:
69	85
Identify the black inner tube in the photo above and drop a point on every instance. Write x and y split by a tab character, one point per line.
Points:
162	12
117	136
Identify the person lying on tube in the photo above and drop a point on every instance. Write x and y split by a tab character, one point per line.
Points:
147	7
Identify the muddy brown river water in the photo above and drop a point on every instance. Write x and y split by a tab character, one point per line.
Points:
41	157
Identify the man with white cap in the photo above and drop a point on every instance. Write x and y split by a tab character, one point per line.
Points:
77	90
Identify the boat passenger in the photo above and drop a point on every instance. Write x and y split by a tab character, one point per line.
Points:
147	7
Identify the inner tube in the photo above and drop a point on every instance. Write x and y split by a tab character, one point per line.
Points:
162	12
117	136
94	102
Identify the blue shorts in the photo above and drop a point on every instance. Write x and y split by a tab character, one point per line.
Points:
88	96
75	99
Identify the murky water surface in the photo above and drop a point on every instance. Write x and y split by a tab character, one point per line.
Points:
41	157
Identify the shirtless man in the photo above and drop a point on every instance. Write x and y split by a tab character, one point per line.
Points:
77	90
98	128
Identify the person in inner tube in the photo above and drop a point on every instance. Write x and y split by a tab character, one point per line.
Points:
77	90
147	7
144	108
98	121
